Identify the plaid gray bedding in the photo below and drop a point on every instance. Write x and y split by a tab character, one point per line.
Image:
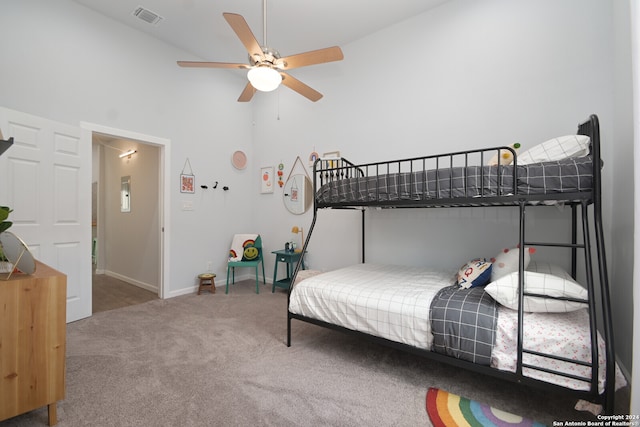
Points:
463	323
564	176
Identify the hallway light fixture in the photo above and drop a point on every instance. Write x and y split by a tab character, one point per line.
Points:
127	154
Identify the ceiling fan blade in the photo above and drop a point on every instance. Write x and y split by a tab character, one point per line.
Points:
242	30
197	64
301	88
313	57
247	93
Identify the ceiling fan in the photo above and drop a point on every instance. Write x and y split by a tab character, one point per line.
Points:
266	66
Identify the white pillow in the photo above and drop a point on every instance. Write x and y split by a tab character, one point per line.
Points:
547	268
505	291
565	147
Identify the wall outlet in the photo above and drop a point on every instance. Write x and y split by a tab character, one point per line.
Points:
209	265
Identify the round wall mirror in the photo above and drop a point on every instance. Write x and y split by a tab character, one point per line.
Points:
298	194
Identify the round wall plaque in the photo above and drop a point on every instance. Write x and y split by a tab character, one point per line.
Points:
239	160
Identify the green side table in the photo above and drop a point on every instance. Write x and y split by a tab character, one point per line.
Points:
291	259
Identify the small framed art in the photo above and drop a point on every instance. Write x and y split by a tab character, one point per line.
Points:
266	180
187	183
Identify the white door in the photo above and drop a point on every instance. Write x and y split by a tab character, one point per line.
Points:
45	178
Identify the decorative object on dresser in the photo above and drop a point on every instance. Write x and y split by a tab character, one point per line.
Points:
5	265
33	336
4	215
15	253
5	143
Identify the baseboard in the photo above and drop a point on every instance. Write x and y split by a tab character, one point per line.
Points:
221	283
131	281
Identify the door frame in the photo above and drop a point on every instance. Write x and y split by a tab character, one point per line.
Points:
164	145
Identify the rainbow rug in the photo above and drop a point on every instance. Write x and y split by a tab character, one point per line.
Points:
450	410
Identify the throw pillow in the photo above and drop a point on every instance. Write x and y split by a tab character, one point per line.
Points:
476	272
250	253
506	156
507	262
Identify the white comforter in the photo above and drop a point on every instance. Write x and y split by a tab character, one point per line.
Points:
393	302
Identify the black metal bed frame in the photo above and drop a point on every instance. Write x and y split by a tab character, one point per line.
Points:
326	170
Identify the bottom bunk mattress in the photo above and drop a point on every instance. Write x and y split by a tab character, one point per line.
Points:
395	302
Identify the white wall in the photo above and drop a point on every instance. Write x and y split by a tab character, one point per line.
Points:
64	62
468	74
622	190
132	239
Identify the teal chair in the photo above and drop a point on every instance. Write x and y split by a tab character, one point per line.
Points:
231	266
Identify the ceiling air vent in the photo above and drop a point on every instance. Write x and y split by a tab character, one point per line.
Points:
147	16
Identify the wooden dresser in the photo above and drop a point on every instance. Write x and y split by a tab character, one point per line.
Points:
32	341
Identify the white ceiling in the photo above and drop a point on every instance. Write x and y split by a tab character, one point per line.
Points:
293	26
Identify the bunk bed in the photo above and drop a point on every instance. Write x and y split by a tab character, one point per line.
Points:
407	300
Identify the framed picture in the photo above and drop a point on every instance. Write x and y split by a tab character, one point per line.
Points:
187	183
266	179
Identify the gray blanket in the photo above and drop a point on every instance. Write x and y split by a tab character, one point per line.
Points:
463	323
563	176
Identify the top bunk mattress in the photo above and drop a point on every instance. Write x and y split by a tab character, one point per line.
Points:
552	178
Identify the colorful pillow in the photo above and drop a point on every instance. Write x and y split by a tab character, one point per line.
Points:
476	272
505	291
239	243
506	157
565	147
507	262
250	253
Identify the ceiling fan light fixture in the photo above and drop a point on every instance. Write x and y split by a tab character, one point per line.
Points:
264	79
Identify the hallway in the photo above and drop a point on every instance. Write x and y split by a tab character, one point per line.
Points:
110	293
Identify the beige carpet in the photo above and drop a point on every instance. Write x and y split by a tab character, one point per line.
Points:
221	360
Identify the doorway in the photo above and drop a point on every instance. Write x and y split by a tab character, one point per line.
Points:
113	228
109	293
